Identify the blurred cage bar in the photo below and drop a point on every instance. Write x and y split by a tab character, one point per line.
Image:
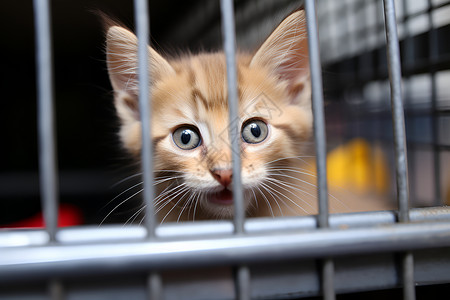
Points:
274	258
353	46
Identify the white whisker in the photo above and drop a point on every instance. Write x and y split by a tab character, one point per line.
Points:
267	201
267	188
135	215
292	201
120	204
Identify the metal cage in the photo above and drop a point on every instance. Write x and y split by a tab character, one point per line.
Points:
244	259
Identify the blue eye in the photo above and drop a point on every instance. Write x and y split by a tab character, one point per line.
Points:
186	137
254	131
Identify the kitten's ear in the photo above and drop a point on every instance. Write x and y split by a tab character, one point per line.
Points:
285	52
122	61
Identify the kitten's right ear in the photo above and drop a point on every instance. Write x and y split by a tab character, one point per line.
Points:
122	61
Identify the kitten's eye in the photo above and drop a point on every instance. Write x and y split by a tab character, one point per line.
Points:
187	138
254	131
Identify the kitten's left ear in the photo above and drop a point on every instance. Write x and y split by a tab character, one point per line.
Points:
285	52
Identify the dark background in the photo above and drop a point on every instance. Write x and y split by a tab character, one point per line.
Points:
89	155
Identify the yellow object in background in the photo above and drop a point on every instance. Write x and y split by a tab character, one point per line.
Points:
358	167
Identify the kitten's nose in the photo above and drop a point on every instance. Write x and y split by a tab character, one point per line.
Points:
223	176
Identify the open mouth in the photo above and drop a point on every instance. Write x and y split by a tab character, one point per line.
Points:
223	197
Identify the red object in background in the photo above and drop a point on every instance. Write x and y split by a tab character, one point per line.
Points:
68	215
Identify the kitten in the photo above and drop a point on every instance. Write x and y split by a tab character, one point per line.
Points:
190	125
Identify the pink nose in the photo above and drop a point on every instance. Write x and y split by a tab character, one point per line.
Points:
223	176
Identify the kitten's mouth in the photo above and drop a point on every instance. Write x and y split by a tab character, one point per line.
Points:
223	197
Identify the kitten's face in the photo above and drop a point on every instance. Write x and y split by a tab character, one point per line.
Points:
190	121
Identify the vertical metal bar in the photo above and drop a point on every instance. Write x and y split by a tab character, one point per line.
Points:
154	282
48	166
154	286
142	28
228	30
409	53
242	283
433	50
395	78
318	112
409	291
320	138
242	277
56	290
47	156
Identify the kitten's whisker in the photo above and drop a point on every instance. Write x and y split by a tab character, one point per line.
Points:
175	205
186	204
134	216
253	204
267	188
294	178
142	220
169	171
126	179
164	201
292	186
120	204
254	198
132	187
128	189
295	195
299	171
289	167
140	174
281	196
193	200
197	200
169	189
267	201
299	157
165	179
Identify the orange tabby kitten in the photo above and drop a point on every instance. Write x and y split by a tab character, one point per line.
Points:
190	125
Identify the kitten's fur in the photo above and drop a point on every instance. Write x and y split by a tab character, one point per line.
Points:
273	87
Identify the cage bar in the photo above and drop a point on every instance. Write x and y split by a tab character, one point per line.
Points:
48	169
242	277
320	139
154	283
142	28
72	259
47	157
229	42
318	112
154	286
395	79
80	235
433	45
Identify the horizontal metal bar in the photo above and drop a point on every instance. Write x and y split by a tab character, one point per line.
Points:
292	280
118	234
20	263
